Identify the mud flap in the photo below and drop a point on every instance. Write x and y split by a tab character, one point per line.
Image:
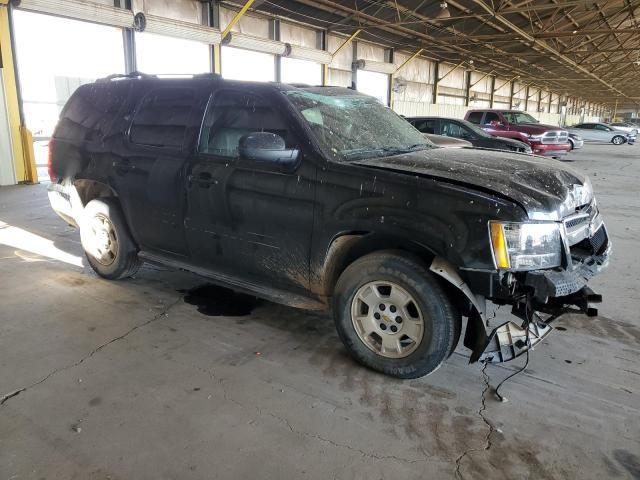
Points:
510	340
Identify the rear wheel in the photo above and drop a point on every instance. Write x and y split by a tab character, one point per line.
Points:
617	140
393	316
106	240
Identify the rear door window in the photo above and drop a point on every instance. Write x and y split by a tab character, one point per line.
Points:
161	119
475	117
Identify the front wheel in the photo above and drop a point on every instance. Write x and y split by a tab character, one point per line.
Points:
617	140
106	240
393	316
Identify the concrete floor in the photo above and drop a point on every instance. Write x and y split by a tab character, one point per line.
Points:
124	380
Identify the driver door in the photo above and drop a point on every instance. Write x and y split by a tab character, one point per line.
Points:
249	219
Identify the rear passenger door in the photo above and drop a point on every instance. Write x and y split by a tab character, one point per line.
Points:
148	174
248	219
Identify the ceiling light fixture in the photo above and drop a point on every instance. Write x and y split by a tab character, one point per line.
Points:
444	11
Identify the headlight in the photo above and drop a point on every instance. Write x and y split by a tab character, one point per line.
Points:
526	246
535	138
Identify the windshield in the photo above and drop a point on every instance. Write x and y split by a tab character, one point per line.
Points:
352	126
475	129
519	117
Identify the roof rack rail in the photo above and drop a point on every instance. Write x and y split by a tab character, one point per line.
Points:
207	75
118	76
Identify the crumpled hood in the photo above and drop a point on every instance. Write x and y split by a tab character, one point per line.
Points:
546	189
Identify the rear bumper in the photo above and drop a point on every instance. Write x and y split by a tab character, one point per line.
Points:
61	203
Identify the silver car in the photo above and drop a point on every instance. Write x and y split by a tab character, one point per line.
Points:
599	132
629	128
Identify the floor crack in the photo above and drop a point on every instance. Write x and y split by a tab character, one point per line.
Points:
481	413
156	317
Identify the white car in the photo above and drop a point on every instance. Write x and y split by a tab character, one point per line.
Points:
601	133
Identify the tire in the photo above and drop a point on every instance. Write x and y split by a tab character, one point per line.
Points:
571	144
618	140
107	243
389	277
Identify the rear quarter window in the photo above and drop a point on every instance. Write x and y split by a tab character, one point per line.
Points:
91	111
161	118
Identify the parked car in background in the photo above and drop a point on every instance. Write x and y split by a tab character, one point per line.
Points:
629	128
323	198
599	132
447	142
455	128
546	140
575	141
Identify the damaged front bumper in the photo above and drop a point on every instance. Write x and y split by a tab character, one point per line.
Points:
548	292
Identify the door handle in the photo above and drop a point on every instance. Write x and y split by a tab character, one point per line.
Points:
123	166
203	179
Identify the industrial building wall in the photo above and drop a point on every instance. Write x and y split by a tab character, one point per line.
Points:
50	71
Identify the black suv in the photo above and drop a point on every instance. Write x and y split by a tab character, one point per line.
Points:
321	197
453	127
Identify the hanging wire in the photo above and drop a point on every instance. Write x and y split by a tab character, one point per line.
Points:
529	315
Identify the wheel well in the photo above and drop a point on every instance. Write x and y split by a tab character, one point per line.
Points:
89	190
348	248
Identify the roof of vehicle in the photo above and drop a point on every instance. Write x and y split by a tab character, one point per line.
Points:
216	78
495	110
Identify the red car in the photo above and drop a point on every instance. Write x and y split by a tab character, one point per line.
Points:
544	140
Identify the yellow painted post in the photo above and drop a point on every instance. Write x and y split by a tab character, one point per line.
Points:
31	172
217	65
347	41
11	93
237	17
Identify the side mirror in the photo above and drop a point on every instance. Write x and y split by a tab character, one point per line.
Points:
495	123
266	147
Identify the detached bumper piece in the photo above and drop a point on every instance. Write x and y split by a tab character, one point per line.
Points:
510	340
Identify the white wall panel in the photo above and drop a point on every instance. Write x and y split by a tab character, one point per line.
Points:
548	118
417	70
450	100
415	92
417	109
339	78
455	79
505	87
296	35
185	10
369	51
482	86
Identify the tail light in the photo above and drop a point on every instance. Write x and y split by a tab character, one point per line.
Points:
52	175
